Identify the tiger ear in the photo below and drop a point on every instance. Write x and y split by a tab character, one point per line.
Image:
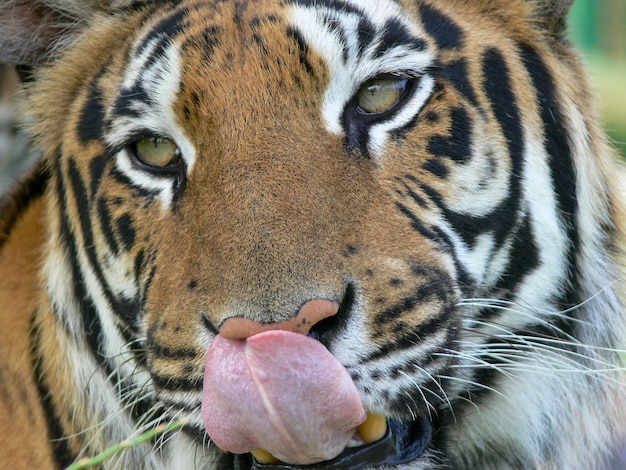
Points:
552	15
31	31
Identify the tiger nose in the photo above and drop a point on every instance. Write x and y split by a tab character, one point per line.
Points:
311	313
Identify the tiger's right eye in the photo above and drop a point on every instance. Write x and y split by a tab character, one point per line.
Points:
157	151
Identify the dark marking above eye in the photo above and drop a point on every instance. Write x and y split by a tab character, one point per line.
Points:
126	103
159	35
92	114
366	33
303	49
396	34
457	74
446	33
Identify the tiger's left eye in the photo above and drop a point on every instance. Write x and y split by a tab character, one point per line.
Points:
157	151
381	94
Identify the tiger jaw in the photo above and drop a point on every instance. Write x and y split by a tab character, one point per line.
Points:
399	443
371	430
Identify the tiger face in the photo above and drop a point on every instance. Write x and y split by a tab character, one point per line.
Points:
350	234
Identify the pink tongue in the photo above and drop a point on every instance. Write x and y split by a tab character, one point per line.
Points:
282	392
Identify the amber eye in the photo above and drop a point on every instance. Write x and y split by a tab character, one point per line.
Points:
381	94
157	151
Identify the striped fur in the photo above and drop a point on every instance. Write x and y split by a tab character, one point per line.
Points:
471	233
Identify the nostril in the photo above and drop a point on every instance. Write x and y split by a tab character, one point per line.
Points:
311	313
316	311
324	330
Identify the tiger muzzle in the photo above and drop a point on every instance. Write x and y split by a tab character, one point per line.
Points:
279	399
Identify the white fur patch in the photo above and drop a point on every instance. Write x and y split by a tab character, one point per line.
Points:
351	64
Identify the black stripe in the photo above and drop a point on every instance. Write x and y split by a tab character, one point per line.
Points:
303	50
58	440
416	223
524	257
128	99
446	33
164	352
91	122
90	319
337	5
435	289
168	27
419	200
160	37
394	34
366	34
106	226
96	172
209	41
456	72
561	162
457	145
127	309
502	99
406	338
138	191
176	383
14	204
436	167
437	235
91	322
126	231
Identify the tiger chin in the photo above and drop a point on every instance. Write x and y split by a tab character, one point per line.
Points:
320	233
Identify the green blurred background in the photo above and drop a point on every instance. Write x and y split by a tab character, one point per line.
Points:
599	28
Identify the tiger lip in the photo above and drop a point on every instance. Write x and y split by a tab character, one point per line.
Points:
399	443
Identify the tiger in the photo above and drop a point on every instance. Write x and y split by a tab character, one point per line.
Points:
317	234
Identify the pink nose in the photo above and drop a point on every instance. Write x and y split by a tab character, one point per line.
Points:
310	314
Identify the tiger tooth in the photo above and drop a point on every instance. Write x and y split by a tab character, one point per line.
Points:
373	428
263	456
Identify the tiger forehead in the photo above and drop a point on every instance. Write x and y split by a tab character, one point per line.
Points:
263	27
282	45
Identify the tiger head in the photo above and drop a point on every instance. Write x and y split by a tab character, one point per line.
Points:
351	234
